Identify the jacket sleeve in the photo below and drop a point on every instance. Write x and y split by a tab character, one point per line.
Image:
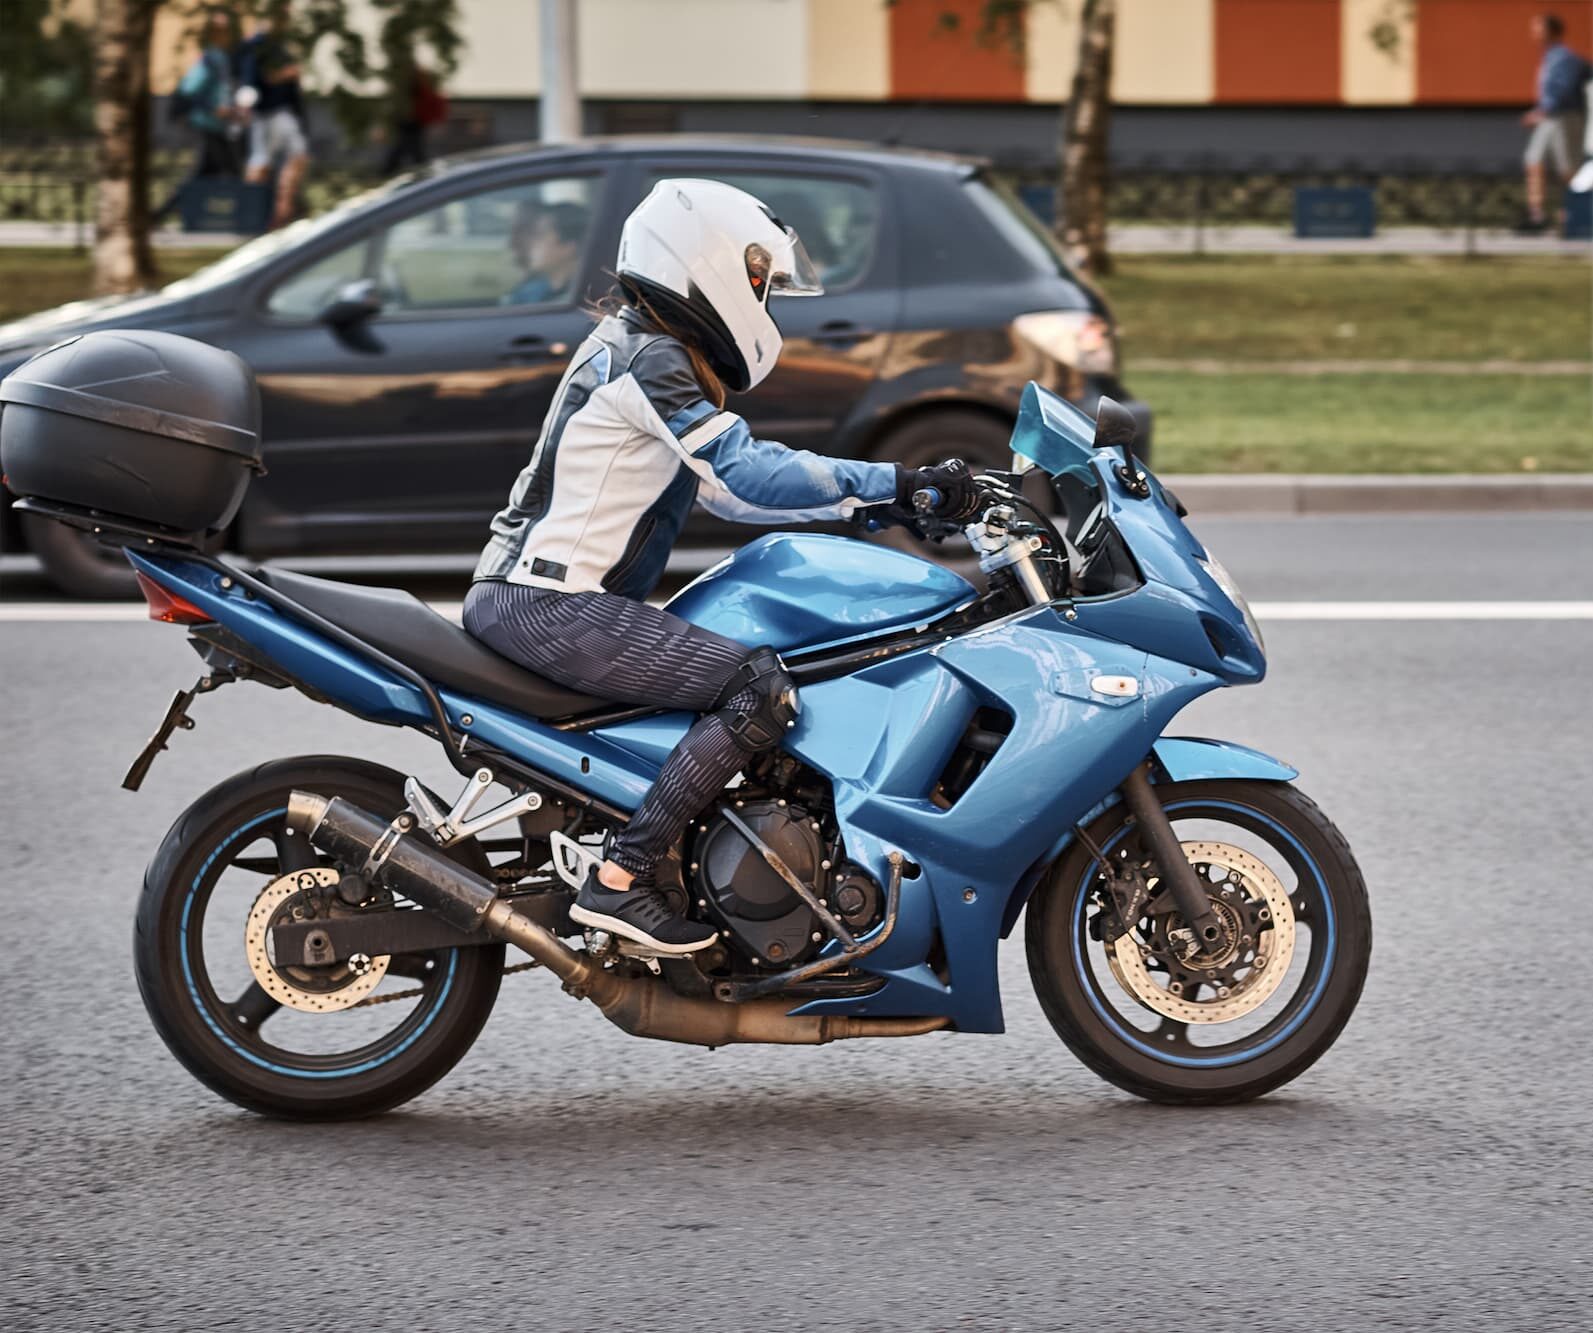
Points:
741	477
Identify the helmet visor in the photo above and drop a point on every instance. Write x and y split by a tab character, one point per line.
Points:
788	273
796	276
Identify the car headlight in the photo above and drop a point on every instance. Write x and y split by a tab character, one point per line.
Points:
1076	338
1224	580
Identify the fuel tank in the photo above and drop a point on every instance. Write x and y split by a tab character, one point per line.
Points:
806	589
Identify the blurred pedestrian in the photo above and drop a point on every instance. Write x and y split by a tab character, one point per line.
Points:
277	139
203	100
1557	122
421	105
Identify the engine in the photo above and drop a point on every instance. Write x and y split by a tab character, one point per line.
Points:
762	915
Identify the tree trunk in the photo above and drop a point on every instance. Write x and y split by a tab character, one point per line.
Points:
123	261
1086	122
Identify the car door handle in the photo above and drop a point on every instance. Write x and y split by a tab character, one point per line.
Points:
533	347
841	333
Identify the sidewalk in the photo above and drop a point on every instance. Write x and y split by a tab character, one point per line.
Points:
1444	493
1127	239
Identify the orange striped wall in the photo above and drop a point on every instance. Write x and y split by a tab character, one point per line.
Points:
1261	52
932	59
1482	51
1277	51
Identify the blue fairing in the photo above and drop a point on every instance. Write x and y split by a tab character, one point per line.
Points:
803	590
885	734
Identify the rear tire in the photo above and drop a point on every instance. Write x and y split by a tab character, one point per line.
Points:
237	1062
1331	899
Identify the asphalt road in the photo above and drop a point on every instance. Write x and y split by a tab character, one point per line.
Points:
1431	1171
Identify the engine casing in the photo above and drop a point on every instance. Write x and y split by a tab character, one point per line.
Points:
756	907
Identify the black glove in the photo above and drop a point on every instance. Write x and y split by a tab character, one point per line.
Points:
959	496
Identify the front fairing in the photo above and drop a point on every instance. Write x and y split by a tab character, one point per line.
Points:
1179	610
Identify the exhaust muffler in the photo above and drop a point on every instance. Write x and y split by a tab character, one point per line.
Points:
390	854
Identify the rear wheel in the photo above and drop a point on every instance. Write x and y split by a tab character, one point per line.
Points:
305	1043
1148	1011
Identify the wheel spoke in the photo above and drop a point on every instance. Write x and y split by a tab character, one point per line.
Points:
1171	1034
418	966
253	1007
293	851
259	865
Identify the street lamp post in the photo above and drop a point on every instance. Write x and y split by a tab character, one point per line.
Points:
561	102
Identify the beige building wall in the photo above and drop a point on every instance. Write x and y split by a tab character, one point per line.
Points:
1165	51
694	49
1053	51
848	50
1370	76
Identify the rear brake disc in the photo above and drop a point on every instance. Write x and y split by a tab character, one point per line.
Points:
313	990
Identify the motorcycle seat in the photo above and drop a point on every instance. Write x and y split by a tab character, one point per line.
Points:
405	628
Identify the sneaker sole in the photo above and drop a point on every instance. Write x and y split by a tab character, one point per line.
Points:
587	917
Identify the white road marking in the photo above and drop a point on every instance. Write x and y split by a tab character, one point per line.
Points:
108	612
1398	611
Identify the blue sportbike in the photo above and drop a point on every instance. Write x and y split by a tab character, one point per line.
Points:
324	937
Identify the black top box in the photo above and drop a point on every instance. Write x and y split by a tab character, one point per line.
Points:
133	424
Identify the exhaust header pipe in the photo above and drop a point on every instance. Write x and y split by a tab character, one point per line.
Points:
390	854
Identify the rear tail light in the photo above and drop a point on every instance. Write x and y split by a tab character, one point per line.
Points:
167	606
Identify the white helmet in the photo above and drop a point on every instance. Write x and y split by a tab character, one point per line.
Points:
708	256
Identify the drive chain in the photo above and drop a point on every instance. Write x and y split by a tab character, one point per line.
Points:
421	990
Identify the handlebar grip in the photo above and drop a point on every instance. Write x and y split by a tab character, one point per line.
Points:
927	500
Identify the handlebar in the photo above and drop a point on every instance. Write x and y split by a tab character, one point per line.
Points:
927	500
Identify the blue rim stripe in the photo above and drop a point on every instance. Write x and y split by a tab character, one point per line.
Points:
204	1011
1217	1061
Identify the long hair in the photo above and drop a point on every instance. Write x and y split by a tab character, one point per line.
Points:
713	388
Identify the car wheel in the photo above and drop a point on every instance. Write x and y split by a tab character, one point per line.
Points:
980	440
75	562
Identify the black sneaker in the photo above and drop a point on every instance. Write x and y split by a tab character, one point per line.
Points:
1531	226
638	915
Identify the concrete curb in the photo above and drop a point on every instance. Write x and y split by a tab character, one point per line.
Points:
1451	493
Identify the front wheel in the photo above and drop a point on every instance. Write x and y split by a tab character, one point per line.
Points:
309	1043
1146	1009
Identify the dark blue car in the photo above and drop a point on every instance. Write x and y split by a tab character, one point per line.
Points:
407	343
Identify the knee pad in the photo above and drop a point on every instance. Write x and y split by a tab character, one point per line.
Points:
762	725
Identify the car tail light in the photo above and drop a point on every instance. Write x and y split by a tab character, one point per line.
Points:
1077	338
168	606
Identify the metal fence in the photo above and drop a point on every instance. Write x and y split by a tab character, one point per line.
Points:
55	183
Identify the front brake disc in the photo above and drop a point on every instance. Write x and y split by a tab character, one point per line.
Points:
1267	965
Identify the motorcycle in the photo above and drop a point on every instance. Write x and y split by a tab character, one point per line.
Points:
323	937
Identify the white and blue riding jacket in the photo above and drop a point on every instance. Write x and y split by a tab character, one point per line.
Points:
629	443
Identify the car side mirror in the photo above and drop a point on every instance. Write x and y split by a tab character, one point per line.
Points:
354	303
1116	428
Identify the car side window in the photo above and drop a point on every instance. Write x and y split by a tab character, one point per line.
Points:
521	245
303	295
837	219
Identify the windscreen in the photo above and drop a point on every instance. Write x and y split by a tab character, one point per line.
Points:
1056	436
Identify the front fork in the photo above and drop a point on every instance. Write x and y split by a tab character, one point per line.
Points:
1168	854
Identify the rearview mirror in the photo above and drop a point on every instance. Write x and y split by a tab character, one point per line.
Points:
354	303
1116	428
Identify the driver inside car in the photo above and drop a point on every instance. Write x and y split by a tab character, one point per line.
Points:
638	431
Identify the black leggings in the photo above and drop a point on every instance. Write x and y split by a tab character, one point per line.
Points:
627	652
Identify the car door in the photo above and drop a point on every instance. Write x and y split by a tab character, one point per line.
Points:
404	430
834	343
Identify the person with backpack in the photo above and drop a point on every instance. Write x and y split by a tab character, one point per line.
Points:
203	100
277	139
1558	120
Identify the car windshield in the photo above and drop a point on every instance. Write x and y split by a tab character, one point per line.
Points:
1026	233
262	248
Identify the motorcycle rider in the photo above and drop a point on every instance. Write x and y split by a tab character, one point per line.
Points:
637	431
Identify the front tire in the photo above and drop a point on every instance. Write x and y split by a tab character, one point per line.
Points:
358	1062
1153	1054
